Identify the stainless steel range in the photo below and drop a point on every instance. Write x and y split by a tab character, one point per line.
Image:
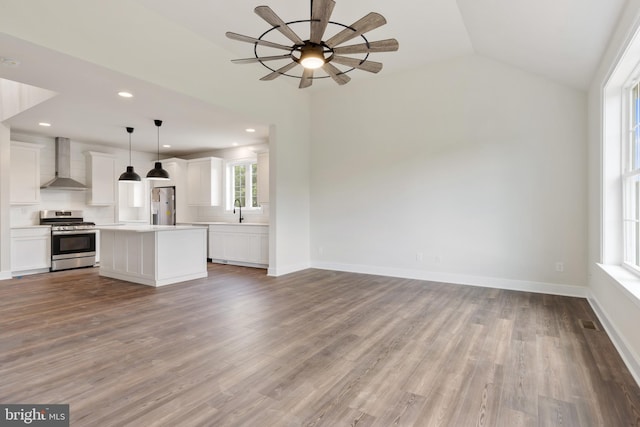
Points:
73	241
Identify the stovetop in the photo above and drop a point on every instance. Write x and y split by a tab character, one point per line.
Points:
81	225
65	220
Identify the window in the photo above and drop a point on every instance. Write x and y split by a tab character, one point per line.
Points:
631	181
242	184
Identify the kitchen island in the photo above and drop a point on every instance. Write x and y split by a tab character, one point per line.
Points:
154	255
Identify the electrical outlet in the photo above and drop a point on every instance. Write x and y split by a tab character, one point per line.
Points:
559	266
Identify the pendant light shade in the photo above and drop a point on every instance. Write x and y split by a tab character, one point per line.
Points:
157	173
129	175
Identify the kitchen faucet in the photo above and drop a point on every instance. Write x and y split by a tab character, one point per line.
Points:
237	202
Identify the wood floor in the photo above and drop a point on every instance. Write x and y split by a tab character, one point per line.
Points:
315	348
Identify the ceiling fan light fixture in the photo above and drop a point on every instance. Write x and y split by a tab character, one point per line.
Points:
129	175
312	57
157	173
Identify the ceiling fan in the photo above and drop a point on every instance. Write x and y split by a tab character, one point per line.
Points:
315	53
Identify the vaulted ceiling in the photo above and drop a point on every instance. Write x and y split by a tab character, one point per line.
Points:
562	40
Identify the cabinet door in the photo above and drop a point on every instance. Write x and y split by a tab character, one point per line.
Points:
204	179
101	178
25	174
237	247
216	245
195	179
131	194
30	249
173	170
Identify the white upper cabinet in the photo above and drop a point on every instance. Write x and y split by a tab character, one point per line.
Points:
263	178
204	182
131	194
177	169
25	174
177	172
101	179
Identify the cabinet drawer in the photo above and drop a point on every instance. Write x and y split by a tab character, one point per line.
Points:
31	232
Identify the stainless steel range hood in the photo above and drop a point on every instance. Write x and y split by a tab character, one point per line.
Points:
63	180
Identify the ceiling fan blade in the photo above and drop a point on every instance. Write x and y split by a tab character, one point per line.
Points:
279	71
274	20
367	23
240	37
320	13
307	78
388	45
336	74
370	66
260	59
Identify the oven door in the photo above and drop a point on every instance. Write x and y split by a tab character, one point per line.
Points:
70	244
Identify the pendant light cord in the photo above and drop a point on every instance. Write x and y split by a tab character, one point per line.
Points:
158	123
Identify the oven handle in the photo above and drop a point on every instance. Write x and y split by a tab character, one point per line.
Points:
68	232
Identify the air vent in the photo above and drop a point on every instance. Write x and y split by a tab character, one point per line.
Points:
588	324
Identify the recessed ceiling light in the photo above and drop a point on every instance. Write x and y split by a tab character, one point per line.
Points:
166	146
9	62
250	130
235	144
125	94
45	124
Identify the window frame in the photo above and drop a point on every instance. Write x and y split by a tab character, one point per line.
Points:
230	183
629	175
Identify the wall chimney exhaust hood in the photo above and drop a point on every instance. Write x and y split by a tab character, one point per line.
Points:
63	180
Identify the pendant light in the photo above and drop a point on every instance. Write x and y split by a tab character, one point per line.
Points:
129	175
157	173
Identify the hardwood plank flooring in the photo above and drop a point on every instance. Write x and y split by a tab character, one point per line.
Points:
313	348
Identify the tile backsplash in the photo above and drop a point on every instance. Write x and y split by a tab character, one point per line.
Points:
51	199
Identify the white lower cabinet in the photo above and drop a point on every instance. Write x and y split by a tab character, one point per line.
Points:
239	244
30	250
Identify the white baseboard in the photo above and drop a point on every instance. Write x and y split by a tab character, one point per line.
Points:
281	271
460	279
628	355
5	275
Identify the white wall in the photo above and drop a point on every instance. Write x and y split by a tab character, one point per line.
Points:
618	309
475	165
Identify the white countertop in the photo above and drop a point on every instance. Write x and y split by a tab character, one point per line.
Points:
146	228
230	223
30	226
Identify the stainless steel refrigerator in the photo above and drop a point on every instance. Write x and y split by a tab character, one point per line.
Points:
163	205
